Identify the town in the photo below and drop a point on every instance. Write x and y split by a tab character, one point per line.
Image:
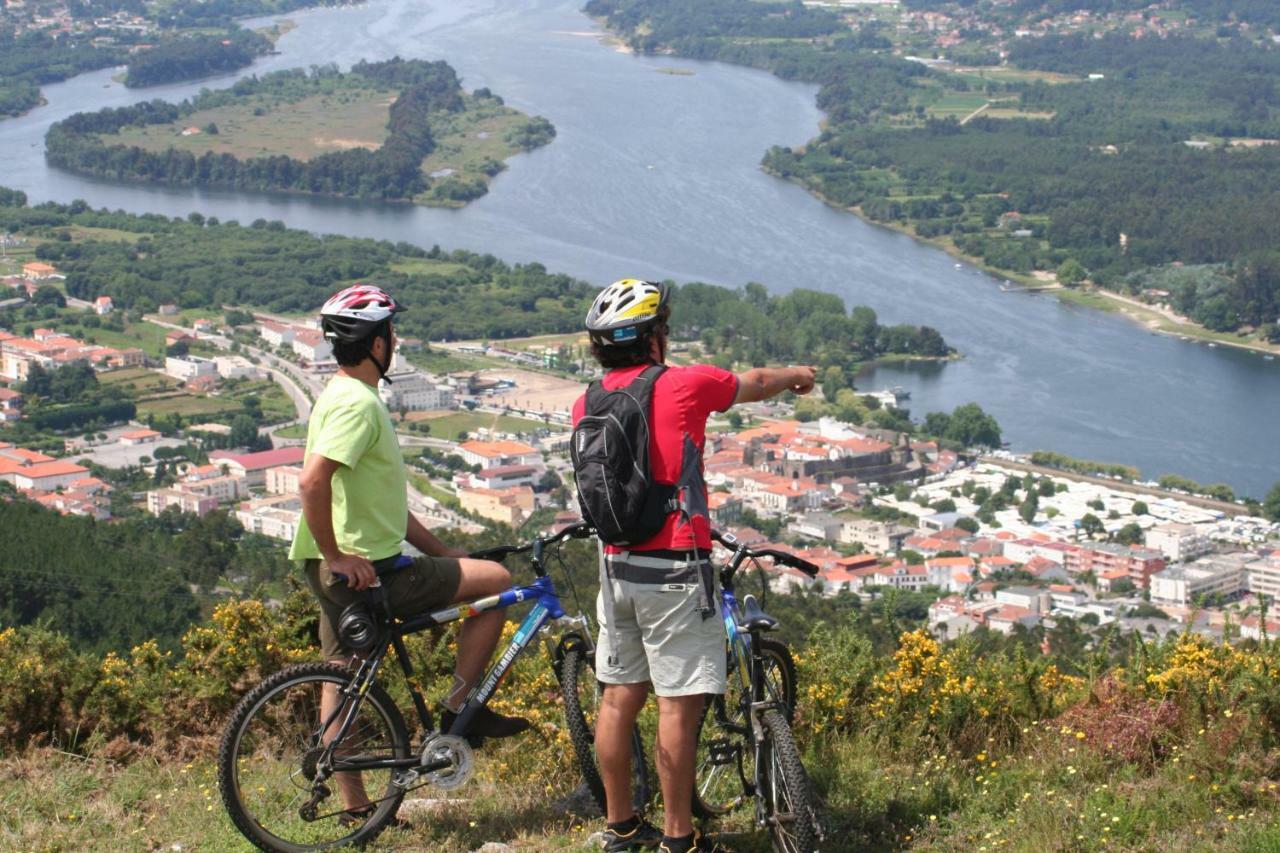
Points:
994	541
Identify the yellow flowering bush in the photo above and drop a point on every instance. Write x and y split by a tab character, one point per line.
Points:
42	684
956	696
834	671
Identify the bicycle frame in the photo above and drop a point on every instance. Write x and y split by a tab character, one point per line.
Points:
546	608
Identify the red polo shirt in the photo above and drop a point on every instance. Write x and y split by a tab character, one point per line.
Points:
683	399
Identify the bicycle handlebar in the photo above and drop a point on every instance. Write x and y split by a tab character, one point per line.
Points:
784	558
581	530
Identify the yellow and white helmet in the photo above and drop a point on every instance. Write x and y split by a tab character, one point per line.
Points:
626	308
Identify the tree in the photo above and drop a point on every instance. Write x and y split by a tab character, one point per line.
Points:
1271	504
1091	525
1140	508
1070	272
1130	534
244	432
968	524
970	426
735	419
1028	508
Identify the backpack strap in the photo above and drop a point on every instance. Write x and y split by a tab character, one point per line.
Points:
650	375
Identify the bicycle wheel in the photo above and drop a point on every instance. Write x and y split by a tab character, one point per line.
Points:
267	762
724	765
581	694
789	805
779	674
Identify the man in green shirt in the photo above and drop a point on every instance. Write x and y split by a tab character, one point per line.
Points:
355	512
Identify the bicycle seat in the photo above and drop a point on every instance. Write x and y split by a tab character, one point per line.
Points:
755	619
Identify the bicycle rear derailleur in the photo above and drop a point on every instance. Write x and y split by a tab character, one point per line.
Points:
447	763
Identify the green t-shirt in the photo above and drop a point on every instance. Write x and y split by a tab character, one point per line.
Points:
351	426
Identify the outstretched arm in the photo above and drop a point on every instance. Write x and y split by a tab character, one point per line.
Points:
761	383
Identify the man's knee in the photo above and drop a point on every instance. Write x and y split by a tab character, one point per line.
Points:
625	699
481	577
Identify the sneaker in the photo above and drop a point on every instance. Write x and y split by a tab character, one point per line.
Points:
643	837
701	843
486	723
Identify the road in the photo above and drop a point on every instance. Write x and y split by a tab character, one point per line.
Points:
286	374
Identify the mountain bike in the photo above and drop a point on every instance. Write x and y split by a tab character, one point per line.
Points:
279	755
746	749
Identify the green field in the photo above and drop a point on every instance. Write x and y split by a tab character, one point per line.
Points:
274	402
467	141
263	126
139	380
449	426
427	266
958	104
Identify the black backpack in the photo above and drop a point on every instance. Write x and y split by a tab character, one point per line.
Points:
610	451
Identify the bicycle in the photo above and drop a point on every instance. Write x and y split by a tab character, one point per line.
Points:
747	750
278	756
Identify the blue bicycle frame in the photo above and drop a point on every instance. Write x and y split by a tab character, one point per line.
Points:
546	607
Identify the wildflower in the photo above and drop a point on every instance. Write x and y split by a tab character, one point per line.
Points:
1079	735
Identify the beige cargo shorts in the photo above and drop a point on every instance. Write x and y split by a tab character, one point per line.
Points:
662	635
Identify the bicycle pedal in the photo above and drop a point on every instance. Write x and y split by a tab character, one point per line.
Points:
722	752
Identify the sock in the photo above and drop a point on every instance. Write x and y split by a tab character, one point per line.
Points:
625	827
678	845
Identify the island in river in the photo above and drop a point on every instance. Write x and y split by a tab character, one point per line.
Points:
400	130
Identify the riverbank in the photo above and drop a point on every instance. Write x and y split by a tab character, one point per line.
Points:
1149	317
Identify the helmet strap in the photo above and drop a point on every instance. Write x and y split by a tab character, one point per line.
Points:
383	366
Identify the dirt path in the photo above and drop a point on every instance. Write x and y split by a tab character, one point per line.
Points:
979	111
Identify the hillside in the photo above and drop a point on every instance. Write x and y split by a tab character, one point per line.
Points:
986	742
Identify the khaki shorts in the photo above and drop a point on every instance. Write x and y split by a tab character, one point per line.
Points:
662	638
429	583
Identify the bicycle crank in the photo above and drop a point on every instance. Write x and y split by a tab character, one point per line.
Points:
451	759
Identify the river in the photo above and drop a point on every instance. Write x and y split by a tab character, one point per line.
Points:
656	174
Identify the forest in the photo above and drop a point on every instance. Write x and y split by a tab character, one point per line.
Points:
1102	176
189	57
201	262
82	142
106	586
33	59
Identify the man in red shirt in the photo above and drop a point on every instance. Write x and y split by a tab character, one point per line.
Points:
655	627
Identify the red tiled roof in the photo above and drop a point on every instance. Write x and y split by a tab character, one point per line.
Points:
267	458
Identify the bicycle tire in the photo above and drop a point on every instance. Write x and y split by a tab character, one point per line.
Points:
717	786
576	675
254	755
789	804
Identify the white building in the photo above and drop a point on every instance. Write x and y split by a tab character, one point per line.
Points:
491	454
237	366
276	334
1028	598
1264	576
187	367
1225	574
310	344
1178	542
414	391
876	536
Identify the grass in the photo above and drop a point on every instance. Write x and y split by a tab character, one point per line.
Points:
315	125
450	425
293	431
145	336
427	266
436	360
58	802
139	380
275	403
958	104
468	140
